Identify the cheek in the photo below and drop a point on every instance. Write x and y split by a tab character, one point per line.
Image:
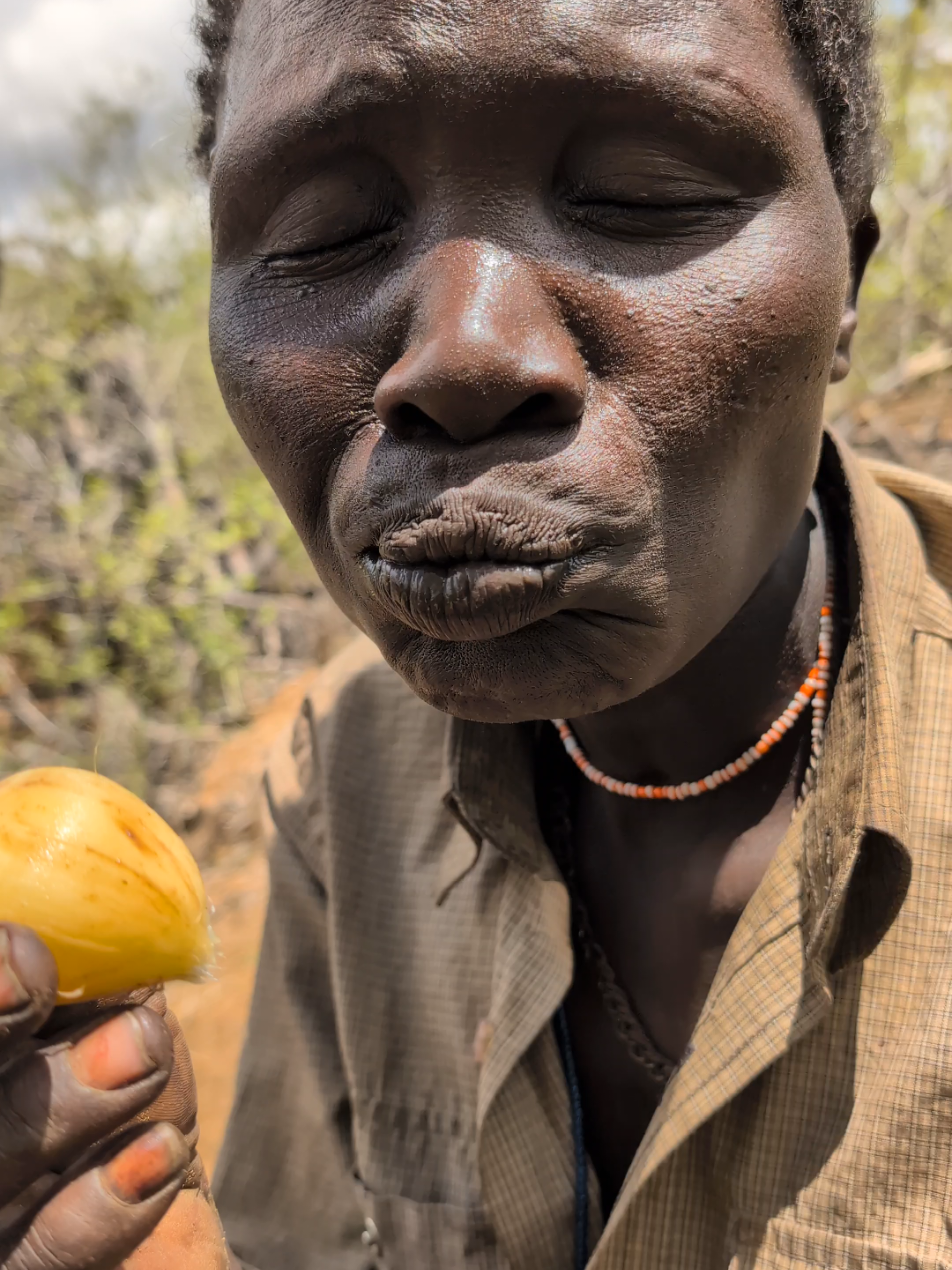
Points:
779	325
725	352
769	367
720	369
726	360
296	404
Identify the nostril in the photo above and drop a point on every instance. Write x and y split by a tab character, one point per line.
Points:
542	410
537	409
408	422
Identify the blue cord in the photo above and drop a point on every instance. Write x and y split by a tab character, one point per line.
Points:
578	1140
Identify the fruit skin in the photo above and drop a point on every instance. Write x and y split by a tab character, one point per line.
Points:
113	891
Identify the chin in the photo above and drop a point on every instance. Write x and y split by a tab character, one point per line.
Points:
561	667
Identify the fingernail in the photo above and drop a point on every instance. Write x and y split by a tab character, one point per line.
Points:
147	1164
13	996
119	1052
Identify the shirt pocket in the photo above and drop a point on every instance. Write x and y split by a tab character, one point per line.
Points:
405	1234
789	1245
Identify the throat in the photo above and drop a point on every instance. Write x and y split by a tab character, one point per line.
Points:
663	887
658	887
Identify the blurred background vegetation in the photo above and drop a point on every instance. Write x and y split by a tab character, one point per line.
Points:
152	594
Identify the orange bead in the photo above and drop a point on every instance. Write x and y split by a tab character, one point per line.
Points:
812	690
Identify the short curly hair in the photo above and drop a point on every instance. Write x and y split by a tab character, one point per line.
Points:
835	40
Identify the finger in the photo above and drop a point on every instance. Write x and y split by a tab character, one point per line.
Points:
28	983
62	1099
96	1221
178	1101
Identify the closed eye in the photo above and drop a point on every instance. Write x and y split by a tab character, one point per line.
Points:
631	221
320	263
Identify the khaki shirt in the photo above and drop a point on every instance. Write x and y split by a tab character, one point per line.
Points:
402	1102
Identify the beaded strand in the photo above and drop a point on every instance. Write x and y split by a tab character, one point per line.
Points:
814	688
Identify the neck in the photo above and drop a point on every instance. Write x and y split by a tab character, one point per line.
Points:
707	713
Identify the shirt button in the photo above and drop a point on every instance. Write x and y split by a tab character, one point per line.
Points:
370	1237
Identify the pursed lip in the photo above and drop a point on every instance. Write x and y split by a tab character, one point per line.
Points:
471	564
466	599
459	533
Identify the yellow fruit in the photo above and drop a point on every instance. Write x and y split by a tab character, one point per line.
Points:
103	880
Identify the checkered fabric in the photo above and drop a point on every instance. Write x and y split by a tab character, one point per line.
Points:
401	1101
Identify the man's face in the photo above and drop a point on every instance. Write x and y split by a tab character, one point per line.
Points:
526	308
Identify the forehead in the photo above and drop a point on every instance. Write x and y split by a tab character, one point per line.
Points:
424	33
325	58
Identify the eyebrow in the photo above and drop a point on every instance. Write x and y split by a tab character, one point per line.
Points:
352	90
358	87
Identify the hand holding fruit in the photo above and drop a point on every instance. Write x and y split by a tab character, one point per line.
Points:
62	1090
120	904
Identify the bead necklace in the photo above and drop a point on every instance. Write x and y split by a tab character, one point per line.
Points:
627	1023
814	688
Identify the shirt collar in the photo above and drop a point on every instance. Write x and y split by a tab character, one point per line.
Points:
855	867
489	771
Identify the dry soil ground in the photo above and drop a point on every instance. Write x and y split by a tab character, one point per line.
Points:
213	1015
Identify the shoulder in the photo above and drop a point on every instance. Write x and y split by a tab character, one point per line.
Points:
368	725
929	502
903	521
360	736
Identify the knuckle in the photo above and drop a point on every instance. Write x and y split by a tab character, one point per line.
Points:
27	970
40	1105
39	1249
23	1121
46	1117
17	1028
78	1228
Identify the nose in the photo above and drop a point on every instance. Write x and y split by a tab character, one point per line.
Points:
487	351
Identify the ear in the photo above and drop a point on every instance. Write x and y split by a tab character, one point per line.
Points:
864	240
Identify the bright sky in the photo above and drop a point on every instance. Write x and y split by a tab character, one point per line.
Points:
52	52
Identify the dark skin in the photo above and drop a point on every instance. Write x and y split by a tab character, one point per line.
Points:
531	336
527	311
571	317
